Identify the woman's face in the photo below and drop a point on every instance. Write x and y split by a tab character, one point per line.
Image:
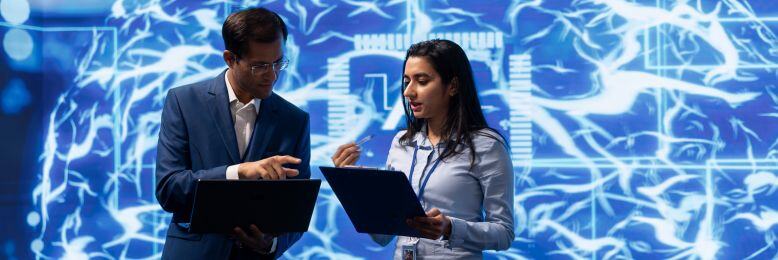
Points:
428	97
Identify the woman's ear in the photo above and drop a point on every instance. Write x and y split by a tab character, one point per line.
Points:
453	87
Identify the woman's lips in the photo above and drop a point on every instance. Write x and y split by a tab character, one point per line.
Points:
416	107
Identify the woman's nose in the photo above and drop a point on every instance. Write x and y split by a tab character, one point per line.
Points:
409	93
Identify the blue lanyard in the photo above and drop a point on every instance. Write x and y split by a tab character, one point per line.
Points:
427	177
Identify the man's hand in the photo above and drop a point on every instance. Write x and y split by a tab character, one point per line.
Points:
257	240
271	168
433	226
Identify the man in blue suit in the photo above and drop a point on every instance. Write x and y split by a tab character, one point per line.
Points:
231	127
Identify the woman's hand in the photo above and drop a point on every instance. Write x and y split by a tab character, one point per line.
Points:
346	155
433	226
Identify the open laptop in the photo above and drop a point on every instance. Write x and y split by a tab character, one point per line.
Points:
376	201
274	206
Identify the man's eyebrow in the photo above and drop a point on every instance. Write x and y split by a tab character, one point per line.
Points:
262	63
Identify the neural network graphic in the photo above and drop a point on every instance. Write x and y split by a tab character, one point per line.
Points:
638	129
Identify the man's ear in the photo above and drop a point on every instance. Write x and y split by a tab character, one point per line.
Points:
453	87
229	58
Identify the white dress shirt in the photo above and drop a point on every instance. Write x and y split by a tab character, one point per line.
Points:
244	116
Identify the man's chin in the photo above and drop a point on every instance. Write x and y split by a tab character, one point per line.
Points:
263	94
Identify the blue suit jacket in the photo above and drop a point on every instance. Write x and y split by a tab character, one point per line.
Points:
197	141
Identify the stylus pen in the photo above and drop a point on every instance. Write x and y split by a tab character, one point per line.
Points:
364	140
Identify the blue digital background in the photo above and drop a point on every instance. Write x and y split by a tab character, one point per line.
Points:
638	129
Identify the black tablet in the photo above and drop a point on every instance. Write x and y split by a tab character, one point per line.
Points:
274	206
376	201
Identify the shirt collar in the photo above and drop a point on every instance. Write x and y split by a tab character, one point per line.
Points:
422	140
234	98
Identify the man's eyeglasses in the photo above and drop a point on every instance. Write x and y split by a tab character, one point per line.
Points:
263	67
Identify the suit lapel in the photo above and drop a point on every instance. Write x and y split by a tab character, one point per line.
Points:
266	123
219	105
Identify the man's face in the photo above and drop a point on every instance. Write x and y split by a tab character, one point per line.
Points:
260	56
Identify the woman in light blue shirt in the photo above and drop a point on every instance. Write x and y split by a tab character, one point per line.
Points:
459	167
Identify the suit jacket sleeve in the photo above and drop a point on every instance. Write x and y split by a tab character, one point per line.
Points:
303	151
175	178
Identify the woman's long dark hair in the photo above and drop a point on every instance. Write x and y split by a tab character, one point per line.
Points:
465	116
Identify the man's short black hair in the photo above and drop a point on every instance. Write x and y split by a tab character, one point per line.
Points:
253	24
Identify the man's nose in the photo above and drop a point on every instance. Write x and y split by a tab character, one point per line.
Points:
271	74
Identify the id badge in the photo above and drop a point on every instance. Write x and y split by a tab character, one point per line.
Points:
409	252
409	248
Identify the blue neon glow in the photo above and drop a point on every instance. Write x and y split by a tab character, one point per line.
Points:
15	97
15	11
18	44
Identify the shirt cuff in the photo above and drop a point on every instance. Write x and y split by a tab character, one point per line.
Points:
458	230
232	172
272	247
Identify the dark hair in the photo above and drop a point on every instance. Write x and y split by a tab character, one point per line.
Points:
465	116
253	24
